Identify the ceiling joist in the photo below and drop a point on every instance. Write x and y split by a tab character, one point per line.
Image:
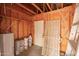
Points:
37	7
26	8
61	5
52	6
57	6
49	6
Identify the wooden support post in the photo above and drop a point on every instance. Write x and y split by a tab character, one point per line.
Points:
18	29
10	18
23	28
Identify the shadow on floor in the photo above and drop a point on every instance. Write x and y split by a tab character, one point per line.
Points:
32	51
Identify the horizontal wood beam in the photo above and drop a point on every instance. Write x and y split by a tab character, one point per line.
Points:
10	17
26	8
49	6
37	7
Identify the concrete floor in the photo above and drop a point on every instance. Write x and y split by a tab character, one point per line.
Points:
32	51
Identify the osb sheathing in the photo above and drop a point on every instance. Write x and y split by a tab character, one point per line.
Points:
16	22
65	15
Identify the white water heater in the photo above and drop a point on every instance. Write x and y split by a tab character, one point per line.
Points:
7	44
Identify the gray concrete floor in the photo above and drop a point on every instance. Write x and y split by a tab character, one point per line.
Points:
32	51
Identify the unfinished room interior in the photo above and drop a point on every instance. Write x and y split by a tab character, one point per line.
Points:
39	29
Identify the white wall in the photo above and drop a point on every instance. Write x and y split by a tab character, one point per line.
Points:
39	27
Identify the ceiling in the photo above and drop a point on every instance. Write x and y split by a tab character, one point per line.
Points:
32	9
37	8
